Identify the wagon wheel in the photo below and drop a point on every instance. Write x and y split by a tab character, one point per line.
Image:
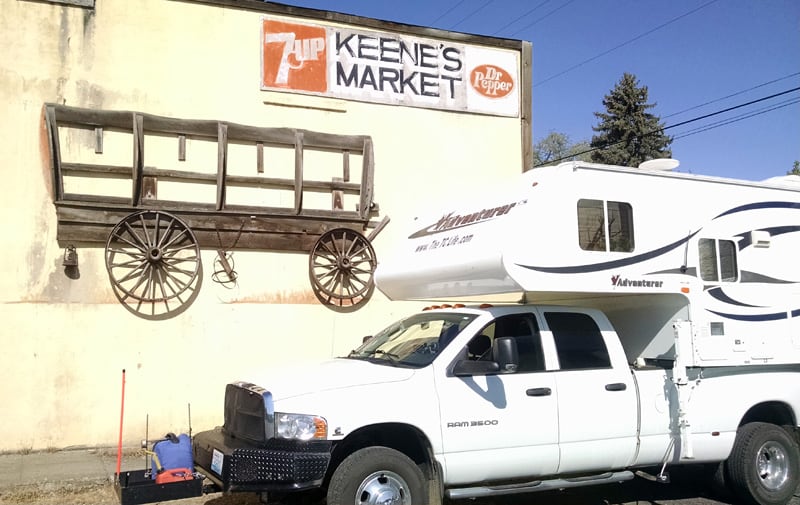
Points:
341	267
153	262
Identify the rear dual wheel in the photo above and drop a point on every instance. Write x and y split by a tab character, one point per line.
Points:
764	465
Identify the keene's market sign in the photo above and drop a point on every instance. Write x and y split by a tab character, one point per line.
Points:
388	68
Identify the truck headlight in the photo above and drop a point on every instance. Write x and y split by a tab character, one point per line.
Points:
300	426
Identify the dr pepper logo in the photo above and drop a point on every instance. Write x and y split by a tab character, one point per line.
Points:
294	56
491	81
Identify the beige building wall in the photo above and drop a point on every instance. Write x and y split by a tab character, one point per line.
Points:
66	341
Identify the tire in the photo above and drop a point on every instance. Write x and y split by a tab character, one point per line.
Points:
764	464
377	475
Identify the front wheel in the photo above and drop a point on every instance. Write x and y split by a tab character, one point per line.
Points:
377	475
764	464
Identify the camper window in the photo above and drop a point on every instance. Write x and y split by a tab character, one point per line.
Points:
598	220
717	260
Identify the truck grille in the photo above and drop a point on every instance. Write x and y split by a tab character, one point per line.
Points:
248	412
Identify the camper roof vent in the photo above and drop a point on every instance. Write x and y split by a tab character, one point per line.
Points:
660	164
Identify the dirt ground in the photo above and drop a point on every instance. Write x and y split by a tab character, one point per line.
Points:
94	493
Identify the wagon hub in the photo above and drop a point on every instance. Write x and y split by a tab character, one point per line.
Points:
154	255
344	263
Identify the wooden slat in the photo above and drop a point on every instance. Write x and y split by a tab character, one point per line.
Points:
138	159
260	157
222	163
346	165
181	147
97	204
98	140
365	203
91	118
207	239
122	172
197	221
337	198
298	173
55	151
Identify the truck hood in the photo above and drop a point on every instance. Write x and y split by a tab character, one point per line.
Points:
329	375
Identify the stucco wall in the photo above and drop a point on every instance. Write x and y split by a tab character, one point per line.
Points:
65	341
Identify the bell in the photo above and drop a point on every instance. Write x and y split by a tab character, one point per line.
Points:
70	257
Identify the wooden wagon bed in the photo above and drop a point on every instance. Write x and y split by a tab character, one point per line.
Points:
155	190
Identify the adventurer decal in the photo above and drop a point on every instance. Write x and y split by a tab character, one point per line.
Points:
618	281
452	221
388	68
471	424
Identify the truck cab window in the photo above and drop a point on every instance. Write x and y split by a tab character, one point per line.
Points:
579	343
605	226
717	259
525	330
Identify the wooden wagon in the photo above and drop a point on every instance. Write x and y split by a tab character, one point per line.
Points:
214	185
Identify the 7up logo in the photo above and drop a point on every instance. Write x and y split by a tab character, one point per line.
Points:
293	56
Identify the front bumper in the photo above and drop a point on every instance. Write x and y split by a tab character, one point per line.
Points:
275	466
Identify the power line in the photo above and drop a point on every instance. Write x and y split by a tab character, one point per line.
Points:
733	94
584	62
472	13
448	11
727	110
518	18
542	18
736	119
699	118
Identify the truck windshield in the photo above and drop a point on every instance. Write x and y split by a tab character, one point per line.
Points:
414	341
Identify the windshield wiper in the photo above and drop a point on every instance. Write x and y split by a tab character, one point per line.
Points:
391	356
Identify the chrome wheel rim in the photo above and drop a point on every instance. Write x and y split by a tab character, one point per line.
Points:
772	465
383	488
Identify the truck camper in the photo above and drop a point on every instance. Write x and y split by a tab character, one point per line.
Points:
648	247
651	319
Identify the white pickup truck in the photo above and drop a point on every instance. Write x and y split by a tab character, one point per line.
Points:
476	401
665	331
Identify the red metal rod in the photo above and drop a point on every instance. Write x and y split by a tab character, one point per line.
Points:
121	414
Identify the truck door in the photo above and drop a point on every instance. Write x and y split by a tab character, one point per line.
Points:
597	406
505	425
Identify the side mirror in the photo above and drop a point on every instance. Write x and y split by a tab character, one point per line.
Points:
505	354
364	340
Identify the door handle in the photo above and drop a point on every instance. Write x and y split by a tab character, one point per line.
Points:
538	392
616	386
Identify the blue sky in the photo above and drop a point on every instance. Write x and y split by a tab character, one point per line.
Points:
687	52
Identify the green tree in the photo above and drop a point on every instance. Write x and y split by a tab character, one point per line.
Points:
795	169
627	134
556	147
